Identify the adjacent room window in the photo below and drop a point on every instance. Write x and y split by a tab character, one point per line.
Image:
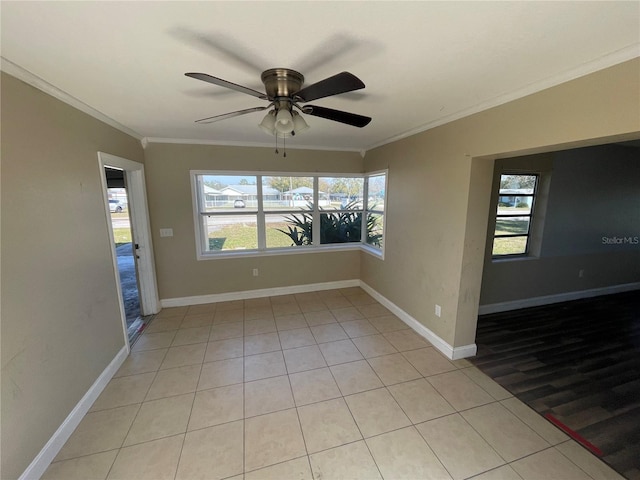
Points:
265	213
516	200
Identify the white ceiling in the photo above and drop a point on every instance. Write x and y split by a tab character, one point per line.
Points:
423	63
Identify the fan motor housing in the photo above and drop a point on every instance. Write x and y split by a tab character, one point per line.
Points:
281	82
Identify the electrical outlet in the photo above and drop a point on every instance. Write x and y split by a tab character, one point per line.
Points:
580	273
166	232
255	272
438	310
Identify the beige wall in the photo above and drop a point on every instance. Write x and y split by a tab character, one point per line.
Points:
179	273
440	189
60	320
61	324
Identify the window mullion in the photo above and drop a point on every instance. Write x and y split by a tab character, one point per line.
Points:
262	229
365	210
315	232
204	232
510	235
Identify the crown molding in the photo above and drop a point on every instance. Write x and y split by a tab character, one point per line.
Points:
615	58
189	141
20	73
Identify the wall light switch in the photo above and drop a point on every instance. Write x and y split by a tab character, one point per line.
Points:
166	232
438	310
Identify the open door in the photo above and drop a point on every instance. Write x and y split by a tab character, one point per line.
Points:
126	252
128	224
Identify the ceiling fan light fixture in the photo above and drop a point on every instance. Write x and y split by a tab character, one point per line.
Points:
299	125
268	124
284	121
284	89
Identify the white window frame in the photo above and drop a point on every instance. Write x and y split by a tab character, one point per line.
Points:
262	250
366	211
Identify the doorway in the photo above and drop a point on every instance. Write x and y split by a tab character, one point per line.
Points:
130	238
125	250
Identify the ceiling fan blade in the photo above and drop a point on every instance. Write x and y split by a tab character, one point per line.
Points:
339	83
337	116
329	50
220	45
223	83
224	116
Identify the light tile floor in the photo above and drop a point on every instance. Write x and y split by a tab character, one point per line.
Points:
324	385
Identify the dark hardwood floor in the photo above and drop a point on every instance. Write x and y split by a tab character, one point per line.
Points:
578	361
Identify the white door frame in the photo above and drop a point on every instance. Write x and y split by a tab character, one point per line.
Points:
139	215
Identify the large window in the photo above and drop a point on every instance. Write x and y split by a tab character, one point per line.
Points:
516	199
265	213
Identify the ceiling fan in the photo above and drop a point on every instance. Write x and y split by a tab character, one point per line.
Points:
284	93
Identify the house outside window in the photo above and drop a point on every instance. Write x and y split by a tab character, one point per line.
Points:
514	214
254	214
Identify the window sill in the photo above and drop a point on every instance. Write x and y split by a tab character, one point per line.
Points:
291	251
376	252
513	258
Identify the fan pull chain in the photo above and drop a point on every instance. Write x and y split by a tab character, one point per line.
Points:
284	141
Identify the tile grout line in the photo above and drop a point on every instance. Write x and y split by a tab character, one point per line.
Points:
137	412
357	426
244	418
169	396
472	427
574	463
304	441
186	428
244	381
507	462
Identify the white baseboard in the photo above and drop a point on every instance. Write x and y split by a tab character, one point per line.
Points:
265	292
454	353
557	298
39	464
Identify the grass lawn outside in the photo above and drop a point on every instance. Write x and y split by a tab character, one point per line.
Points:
121	236
510	245
245	236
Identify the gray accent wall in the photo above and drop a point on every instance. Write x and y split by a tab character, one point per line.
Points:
595	195
587	220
